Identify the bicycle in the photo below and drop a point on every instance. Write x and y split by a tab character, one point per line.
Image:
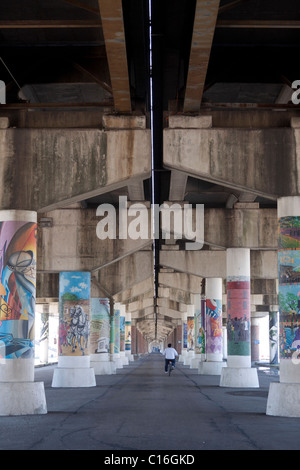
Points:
170	367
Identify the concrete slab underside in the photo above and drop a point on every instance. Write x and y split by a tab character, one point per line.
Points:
141	407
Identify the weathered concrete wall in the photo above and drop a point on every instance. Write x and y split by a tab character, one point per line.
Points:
126	273
72	243
205	263
239	227
42	169
259	160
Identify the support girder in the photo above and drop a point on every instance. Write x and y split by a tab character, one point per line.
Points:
53	168
248	160
204	263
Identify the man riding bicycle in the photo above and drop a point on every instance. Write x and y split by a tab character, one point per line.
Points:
170	355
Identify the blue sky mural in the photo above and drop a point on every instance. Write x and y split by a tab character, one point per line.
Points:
77	283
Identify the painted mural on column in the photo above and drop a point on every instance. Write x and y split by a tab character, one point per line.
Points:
190	333
214	343
184	334
117	332
17	288
199	331
289	286
127	335
74	313
100	327
273	337
122	333
238	316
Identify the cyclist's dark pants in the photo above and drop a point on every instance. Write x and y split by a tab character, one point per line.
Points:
167	362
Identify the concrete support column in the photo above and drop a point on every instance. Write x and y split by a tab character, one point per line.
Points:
179	338
44	335
128	336
190	336
19	394
183	337
100	337
123	356
273	334
238	372
198	328
254	339
117	357
74	332
284	397
133	337
214	335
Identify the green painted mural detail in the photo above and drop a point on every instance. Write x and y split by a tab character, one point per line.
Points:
289	286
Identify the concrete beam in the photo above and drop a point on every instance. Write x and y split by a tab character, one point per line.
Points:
143	302
126	273
176	295
203	32
71	243
169	312
114	36
140	288
44	169
259	161
189	283
213	263
241	227
171	305
244	226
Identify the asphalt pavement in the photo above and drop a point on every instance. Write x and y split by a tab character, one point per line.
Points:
142	408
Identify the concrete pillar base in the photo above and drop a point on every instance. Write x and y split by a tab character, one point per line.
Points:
182	356
124	358
118	361
22	398
284	400
102	365
130	357
211	367
194	363
74	372
188	358
239	377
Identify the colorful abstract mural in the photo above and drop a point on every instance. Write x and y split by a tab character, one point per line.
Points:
74	313
190	333
100	327
117	331
289	286
122	333
184	334
214	326
127	335
238	316
17	288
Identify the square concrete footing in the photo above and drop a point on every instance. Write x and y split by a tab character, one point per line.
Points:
102	364
239	377
74	371
71	377
211	367
22	398
284	400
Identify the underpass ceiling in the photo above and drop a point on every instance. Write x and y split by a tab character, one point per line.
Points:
56	55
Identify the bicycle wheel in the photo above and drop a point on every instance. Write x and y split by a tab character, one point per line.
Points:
170	367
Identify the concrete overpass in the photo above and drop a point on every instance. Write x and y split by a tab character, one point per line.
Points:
211	120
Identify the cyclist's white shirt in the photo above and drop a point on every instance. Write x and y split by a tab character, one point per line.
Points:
170	353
